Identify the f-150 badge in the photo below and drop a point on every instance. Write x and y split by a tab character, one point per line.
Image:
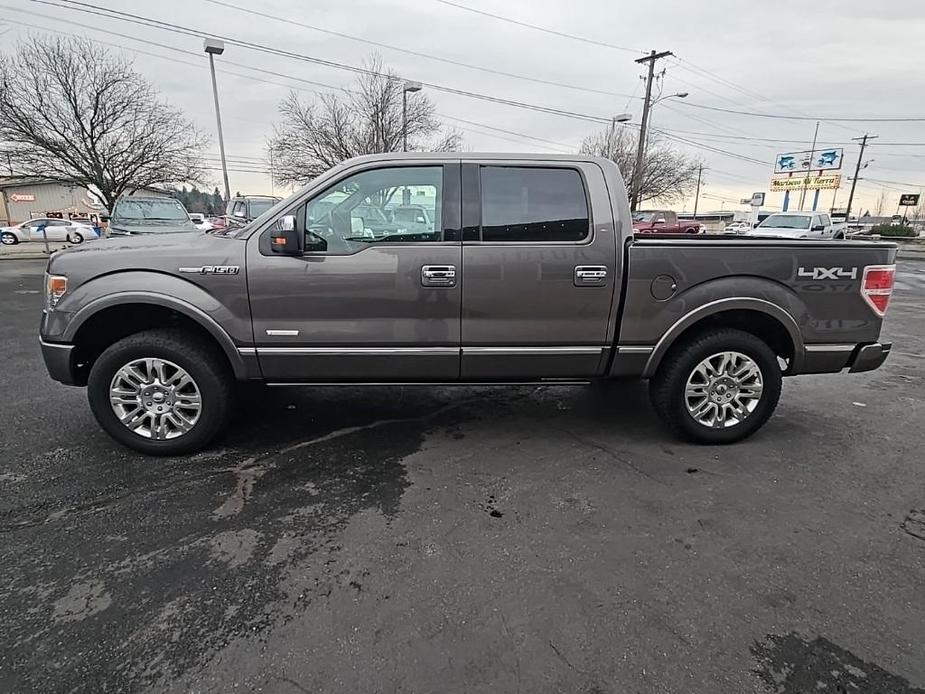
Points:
211	270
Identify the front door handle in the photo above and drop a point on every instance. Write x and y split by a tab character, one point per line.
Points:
438	276
590	275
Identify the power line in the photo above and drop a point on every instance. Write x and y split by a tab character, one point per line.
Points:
570	148
545	30
523	136
729	84
872	119
417	54
709	148
896	183
135	19
157	24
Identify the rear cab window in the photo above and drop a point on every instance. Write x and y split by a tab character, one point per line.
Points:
533	204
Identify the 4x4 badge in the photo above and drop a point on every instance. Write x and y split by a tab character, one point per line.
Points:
211	270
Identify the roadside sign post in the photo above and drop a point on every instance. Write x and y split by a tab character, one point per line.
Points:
45	237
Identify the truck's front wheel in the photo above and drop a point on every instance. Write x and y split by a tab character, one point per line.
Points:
718	387
161	392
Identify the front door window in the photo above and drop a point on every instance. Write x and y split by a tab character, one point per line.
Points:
369	208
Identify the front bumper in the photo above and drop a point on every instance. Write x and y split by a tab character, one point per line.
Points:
870	357
59	361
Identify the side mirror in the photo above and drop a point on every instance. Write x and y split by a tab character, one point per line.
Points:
285	239
819	227
659	221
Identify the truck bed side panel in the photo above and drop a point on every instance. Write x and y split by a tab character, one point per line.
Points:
817	284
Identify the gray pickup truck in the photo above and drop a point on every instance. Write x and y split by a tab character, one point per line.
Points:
525	270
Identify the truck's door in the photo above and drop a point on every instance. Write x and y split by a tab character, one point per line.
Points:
371	299
539	270
671	223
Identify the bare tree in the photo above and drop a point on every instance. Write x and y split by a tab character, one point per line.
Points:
668	174
366	119
74	113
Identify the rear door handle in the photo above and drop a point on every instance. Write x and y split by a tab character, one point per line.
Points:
590	275
438	276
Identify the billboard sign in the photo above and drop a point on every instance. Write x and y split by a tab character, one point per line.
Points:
908	199
819	160
827	182
22	197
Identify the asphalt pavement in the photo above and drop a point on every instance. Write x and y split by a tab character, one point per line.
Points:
466	540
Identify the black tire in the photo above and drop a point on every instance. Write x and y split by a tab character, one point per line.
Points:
8	238
202	361
667	388
76	237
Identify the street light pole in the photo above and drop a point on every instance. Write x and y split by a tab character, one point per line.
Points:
812	156
409	86
646	105
214	47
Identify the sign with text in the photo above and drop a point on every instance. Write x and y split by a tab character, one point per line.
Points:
818	160
22	197
827	182
908	199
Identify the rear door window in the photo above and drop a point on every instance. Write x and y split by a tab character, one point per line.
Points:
533	204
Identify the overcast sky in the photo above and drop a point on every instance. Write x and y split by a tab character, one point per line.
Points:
846	58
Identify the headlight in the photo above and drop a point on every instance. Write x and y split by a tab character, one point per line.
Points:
55	288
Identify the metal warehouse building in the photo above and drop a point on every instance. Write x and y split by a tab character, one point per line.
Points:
26	198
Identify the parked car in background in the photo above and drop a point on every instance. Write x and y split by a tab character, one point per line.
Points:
200	222
800	225
137	215
737	228
248	207
663	222
528	273
56	229
412	217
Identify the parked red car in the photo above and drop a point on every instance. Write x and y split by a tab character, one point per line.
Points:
663	222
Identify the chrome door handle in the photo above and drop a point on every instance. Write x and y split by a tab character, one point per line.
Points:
438	276
590	275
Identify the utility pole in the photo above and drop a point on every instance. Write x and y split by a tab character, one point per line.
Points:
857	170
646	105
697	196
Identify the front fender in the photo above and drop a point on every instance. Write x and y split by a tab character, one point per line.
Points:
228	323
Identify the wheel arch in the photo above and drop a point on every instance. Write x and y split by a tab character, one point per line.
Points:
112	317
760	317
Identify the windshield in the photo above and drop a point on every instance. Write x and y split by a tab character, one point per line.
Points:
786	221
258	207
150	210
643	216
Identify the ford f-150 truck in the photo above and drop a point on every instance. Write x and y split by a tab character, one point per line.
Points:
525	270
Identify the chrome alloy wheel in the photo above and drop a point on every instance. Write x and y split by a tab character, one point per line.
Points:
155	398
723	390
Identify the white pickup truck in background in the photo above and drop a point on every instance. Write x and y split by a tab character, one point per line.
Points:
801	225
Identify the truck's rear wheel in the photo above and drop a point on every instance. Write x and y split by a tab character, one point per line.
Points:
718	387
161	392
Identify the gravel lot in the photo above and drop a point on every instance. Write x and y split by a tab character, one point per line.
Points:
467	540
